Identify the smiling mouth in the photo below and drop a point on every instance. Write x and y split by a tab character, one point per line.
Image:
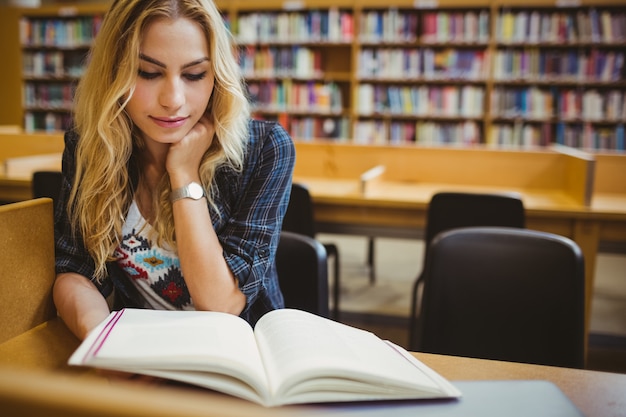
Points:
169	122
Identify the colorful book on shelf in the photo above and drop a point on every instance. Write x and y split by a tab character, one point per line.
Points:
290	356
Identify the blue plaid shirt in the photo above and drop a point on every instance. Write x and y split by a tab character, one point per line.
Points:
252	205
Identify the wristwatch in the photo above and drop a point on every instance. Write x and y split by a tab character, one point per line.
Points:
192	190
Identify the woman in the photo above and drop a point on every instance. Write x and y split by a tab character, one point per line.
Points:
172	197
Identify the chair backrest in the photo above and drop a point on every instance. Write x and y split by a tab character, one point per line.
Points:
27	266
299	216
47	184
506	294
449	210
303	273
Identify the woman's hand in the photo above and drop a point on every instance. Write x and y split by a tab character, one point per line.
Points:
183	159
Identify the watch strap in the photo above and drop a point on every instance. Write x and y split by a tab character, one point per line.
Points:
192	190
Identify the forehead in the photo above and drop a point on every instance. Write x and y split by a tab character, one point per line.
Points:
181	35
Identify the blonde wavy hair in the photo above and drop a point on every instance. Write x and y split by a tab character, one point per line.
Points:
102	190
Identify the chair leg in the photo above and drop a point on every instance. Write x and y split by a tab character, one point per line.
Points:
413	320
370	260
336	289
333	251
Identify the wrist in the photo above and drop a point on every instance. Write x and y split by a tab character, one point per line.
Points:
192	190
180	179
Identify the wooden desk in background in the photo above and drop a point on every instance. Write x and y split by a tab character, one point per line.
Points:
14	144
570	193
35	380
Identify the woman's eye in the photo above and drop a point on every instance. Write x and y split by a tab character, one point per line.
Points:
148	75
195	77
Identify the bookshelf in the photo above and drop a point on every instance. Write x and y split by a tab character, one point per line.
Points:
421	74
297	61
559	75
430	72
53	44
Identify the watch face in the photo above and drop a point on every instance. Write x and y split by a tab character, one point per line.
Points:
195	191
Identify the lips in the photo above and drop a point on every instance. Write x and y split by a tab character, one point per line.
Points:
169	122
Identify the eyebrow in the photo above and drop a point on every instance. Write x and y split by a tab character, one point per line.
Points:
162	65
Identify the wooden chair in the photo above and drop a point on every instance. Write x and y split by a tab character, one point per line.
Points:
27	259
449	210
299	219
506	294
303	273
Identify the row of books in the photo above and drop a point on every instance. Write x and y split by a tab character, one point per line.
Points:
427	63
461	27
568	104
591	105
520	135
332	25
517	134
581	135
422	132
54	96
443	101
390	25
560	65
310	128
536	26
588	136
46	121
388	63
287	61
52	64
530	102
282	95
393	25
61	32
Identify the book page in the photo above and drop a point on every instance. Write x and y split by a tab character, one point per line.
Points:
303	353
136	340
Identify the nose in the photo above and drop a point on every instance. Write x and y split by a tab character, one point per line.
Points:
172	94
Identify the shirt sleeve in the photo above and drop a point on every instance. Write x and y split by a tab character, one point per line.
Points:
252	230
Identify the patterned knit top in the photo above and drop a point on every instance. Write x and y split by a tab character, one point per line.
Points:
154	271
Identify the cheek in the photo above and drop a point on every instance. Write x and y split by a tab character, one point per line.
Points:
138	102
203	94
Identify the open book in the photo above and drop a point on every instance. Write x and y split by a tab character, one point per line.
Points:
290	357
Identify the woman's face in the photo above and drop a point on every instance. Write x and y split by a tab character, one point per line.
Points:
174	82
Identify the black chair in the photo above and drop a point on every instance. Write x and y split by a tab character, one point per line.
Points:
47	184
505	294
303	273
449	210
299	219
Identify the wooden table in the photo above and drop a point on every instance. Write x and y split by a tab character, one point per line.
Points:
34	380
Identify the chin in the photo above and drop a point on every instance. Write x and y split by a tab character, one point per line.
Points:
169	138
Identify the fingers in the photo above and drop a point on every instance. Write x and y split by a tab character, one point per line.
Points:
184	157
